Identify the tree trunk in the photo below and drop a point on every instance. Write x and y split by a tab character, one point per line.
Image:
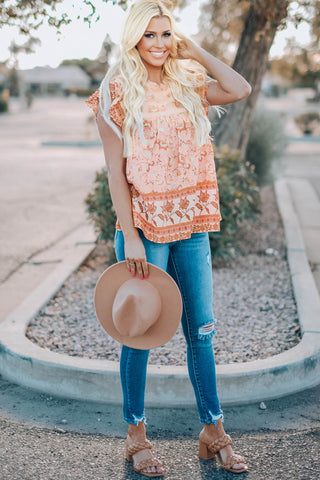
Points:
263	19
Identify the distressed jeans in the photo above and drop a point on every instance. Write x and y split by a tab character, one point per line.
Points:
189	263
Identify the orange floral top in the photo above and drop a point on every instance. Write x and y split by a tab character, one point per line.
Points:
172	180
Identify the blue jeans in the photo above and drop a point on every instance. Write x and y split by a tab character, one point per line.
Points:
189	263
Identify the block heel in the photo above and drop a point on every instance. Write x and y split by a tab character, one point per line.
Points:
204	452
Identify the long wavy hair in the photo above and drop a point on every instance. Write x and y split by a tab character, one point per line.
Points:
132	74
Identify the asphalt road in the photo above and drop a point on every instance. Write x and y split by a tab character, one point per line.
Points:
46	438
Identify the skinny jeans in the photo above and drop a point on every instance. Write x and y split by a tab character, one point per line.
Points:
188	261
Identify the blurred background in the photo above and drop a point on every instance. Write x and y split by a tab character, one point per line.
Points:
64	48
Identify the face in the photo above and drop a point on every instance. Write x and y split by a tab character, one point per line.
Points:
154	47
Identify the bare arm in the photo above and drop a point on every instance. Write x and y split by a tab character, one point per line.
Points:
228	86
120	195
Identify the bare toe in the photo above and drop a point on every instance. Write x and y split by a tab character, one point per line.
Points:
239	466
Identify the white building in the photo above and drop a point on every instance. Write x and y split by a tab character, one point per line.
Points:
47	80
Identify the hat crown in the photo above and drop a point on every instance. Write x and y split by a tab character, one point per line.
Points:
136	307
160	306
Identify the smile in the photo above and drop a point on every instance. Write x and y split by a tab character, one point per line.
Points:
158	54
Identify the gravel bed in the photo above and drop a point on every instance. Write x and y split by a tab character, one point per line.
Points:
254	307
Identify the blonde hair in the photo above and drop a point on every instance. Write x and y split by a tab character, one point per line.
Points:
133	75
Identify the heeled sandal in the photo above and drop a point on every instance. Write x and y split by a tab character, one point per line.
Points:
212	449
149	462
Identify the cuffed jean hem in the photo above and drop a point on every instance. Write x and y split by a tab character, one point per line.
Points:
136	420
212	420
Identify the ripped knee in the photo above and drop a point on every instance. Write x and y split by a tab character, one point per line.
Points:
206	331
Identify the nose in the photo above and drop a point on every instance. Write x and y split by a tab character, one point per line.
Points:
160	41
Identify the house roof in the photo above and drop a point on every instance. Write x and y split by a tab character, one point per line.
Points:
62	74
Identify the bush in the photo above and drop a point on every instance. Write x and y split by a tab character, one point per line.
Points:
99	207
267	142
101	212
239	200
3	105
79	92
308	122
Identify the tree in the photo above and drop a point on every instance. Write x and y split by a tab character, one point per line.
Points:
261	20
28	15
299	66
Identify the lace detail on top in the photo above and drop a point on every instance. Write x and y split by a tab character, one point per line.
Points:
172	180
116	110
203	92
93	102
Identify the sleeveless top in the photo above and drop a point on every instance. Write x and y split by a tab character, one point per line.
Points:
172	180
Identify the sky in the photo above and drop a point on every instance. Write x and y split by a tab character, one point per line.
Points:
78	40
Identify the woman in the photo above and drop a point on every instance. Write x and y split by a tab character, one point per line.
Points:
151	113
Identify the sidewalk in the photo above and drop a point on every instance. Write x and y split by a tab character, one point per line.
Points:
42	191
96	380
302	173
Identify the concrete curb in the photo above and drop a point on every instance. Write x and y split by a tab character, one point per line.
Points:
71	143
98	380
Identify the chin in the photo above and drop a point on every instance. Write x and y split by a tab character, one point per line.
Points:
157	62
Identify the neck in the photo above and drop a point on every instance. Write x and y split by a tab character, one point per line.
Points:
155	74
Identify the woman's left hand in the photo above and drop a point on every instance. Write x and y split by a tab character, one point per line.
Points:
228	86
187	49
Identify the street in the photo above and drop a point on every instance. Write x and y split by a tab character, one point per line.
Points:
46	438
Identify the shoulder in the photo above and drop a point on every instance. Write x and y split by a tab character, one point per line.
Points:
116	87
116	110
200	82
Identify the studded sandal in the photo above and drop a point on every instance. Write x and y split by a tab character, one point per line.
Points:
133	448
210	450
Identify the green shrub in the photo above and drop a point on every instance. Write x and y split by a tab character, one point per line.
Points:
239	200
80	92
267	143
99	207
101	212
3	105
308	122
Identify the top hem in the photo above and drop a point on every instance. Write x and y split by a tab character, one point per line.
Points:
182	234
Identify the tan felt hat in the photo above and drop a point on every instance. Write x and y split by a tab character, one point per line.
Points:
141	314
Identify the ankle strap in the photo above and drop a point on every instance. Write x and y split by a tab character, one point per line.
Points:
220	443
136	447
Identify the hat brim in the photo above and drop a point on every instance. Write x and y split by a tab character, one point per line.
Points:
171	306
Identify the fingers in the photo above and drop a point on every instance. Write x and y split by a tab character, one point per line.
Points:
138	267
131	266
145	268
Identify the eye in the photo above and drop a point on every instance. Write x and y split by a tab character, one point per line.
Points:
167	34
148	35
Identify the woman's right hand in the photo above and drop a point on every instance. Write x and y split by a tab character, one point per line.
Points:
136	257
